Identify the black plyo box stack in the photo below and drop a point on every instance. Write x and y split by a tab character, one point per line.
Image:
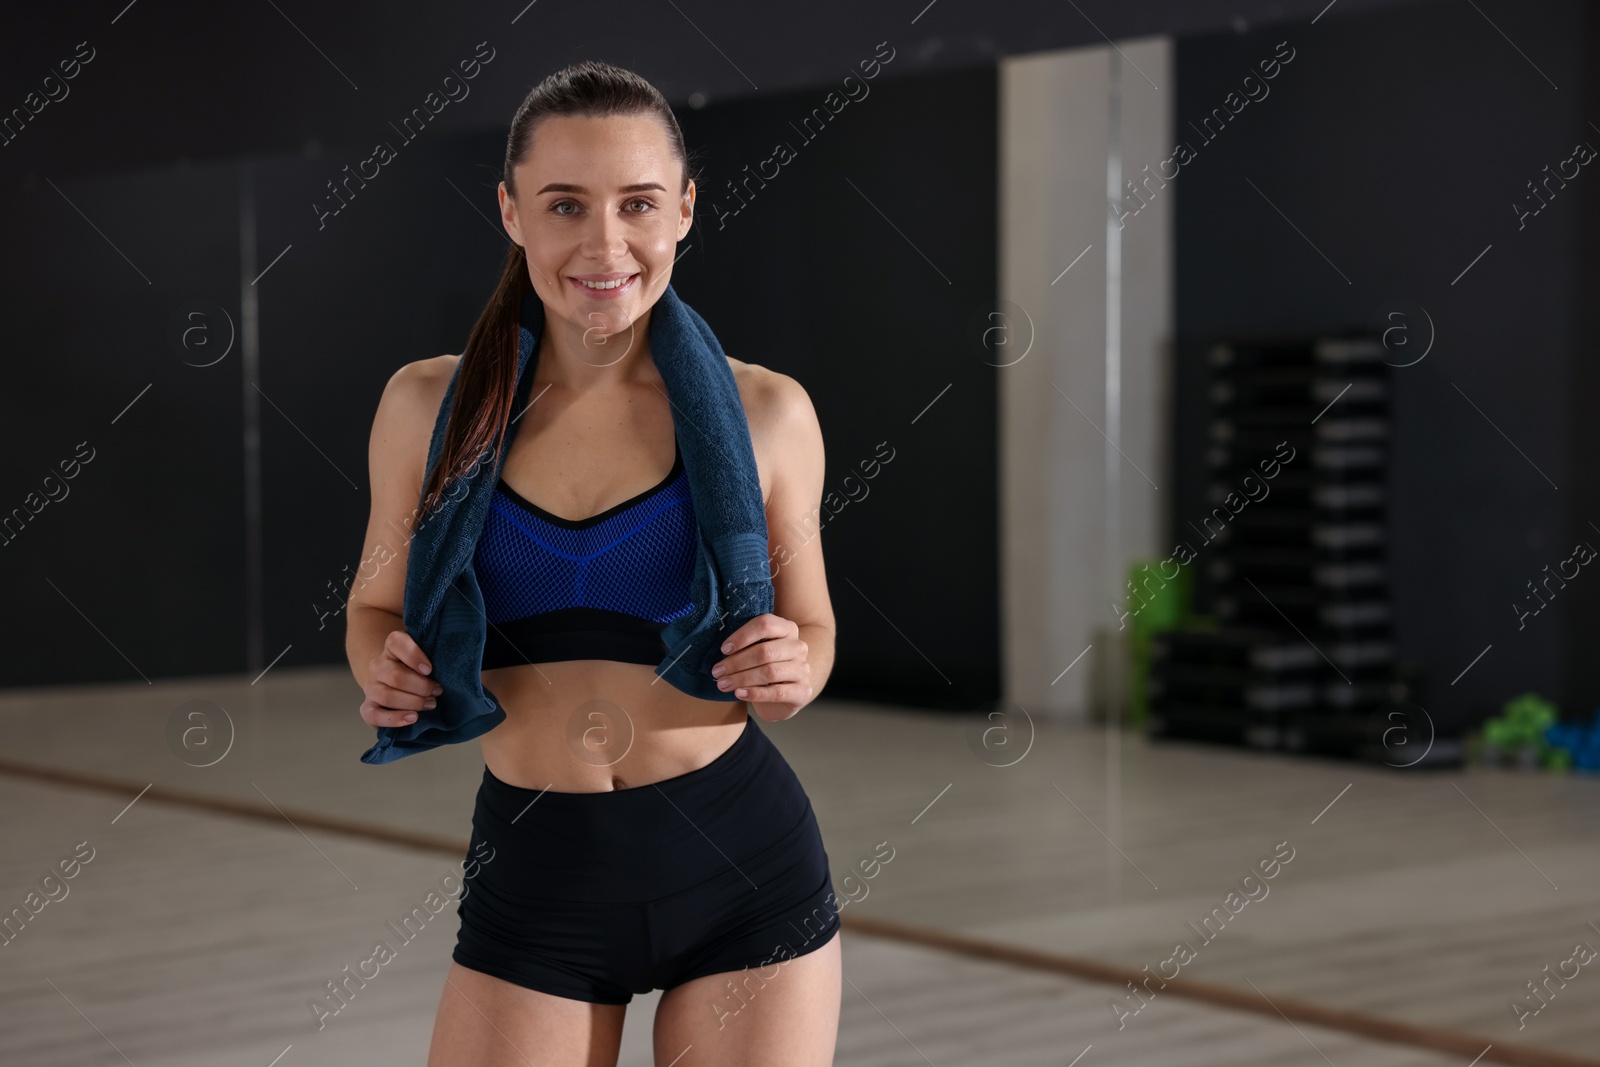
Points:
1235	685
1294	554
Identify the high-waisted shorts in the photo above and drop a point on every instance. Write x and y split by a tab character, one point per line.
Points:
598	896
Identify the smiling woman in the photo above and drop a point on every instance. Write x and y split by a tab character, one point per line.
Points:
628	505
602	286
633	226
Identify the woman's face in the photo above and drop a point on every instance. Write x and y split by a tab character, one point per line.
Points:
599	216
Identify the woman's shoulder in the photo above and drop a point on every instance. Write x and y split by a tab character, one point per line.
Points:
412	396
421	383
774	402
431	373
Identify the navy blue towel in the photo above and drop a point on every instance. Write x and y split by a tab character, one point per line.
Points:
732	577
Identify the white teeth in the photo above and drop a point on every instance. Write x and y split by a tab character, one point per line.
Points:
604	285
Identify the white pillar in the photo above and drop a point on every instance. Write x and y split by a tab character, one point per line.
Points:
1060	573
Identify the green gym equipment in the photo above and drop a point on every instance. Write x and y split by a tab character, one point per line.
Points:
1165	604
1519	735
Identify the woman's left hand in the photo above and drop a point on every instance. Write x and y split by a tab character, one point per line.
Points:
766	663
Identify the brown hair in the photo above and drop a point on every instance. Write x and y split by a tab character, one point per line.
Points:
486	379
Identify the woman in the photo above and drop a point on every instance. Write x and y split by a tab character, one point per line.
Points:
643	838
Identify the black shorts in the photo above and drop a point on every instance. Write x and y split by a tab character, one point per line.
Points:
598	896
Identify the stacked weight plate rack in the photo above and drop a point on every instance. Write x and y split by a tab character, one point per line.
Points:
1298	651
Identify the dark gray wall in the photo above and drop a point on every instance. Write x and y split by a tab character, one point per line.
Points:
1396	144
1582	639
863	270
809	279
135	570
1395	141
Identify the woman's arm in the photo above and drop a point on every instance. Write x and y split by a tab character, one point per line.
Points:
386	662
783	659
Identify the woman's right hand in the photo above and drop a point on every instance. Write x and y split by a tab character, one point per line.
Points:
400	687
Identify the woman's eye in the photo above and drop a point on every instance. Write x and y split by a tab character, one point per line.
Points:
637	206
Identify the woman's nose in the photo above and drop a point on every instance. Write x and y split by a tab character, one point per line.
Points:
604	235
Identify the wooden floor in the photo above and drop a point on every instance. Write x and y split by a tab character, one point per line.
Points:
198	936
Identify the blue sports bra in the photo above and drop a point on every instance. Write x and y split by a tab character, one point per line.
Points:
597	588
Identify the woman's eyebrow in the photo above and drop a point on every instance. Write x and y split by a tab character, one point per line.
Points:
564	187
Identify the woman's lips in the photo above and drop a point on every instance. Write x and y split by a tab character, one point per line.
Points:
605	294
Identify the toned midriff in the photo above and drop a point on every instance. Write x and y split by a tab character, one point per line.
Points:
590	726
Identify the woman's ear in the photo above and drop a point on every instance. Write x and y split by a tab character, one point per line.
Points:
686	211
508	216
